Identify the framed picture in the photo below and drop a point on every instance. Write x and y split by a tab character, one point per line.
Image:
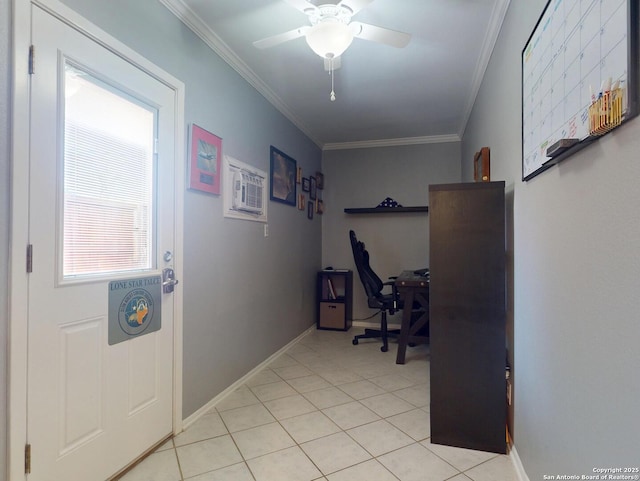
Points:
319	206
283	177
299	175
313	186
301	201
320	180
305	184
204	163
310	207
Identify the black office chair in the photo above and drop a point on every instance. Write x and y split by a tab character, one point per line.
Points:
373	286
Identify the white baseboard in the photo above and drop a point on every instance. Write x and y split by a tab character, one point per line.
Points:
517	464
211	404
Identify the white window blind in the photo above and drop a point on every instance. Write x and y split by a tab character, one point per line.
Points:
109	215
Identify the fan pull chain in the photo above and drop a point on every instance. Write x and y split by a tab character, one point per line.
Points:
332	96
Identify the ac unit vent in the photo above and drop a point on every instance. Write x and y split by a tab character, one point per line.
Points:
247	192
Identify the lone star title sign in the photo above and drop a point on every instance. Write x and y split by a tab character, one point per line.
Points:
134	308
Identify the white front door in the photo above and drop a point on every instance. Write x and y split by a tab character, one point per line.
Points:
101	219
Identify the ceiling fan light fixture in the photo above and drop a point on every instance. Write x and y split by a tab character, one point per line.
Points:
329	39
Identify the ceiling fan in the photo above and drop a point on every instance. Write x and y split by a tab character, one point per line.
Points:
335	20
331	31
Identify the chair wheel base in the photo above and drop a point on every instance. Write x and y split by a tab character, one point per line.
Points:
354	342
384	348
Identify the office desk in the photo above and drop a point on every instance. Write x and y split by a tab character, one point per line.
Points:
412	289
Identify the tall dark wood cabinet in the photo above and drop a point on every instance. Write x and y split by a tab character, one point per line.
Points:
468	315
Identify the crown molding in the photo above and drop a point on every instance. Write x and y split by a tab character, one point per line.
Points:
497	17
204	32
366	144
208	36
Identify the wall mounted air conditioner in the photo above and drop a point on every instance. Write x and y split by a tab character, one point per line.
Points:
247	192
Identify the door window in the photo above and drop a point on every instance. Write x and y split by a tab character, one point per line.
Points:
108	168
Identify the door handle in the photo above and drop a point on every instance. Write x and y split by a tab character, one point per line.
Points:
168	280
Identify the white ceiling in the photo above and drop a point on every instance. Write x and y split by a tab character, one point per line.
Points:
384	95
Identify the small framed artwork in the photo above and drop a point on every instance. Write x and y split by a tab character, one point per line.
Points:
319	206
305	184
310	207
204	163
301	201
283	177
299	175
313	188
481	167
320	180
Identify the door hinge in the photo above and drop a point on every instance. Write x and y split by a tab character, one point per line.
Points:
29	258
32	59
27	459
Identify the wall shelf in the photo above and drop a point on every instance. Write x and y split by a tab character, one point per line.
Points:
386	210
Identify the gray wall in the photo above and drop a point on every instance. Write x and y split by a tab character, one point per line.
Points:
5	137
576	259
245	296
574	248
364	178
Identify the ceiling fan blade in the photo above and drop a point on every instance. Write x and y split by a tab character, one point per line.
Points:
355	5
281	38
336	63
380	35
303	5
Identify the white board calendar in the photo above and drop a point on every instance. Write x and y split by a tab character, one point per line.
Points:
577	49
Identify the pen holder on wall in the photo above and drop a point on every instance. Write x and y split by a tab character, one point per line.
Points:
606	112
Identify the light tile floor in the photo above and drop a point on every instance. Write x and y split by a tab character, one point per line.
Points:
324	410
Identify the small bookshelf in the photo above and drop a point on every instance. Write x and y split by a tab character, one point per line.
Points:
334	308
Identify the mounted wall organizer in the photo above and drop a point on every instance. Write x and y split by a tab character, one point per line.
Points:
606	113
